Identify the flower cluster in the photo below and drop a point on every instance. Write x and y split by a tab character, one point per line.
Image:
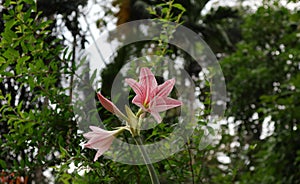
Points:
150	97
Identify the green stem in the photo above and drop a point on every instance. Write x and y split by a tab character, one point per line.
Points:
151	170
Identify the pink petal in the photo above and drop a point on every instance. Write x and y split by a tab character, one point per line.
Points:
156	116
100	139
97	140
149	83
99	143
138	101
108	105
104	147
147	78
160	104
99	153
99	133
97	129
165	88
90	135
137	88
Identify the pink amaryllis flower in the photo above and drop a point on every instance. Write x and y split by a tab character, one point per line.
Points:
100	139
151	97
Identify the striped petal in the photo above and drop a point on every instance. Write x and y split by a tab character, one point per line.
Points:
135	86
108	105
165	88
160	104
156	116
148	81
100	139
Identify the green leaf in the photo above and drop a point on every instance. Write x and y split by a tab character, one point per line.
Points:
165	10
2	60
19	107
24	46
7	3
8	97
9	24
23	59
29	2
9	35
44	25
179	6
93	76
160	5
19	7
27	15
11	54
63	152
211	130
21	63
2	164
53	66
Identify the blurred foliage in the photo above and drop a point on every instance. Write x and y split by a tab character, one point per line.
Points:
263	81
35	114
